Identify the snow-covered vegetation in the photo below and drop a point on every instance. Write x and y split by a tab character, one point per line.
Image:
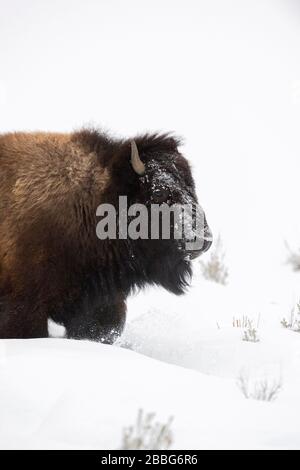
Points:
214	267
293	321
293	258
147	434
250	334
263	389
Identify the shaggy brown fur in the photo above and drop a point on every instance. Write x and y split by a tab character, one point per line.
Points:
52	265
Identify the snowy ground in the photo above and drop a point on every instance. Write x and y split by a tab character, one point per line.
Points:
59	393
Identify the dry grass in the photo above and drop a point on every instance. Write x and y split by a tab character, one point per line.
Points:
262	389
293	322
293	257
241	322
215	269
250	334
147	434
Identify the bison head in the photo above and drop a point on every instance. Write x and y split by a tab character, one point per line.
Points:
151	172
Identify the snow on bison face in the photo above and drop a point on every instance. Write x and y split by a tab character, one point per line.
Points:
158	214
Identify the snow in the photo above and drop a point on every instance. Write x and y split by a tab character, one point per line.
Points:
226	76
174	359
196	330
70	394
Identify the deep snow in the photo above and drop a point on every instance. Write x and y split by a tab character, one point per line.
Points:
70	394
59	393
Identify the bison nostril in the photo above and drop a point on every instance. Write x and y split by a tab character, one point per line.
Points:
206	245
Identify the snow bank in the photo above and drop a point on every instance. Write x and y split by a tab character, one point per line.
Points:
196	330
59	393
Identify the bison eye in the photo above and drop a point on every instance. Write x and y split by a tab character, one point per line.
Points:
160	195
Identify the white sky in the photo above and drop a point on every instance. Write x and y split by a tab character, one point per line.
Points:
223	74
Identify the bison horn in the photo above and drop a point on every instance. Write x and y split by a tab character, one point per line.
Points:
136	162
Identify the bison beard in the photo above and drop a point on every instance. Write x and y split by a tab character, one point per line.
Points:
52	265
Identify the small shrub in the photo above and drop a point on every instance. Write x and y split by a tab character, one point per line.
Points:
147	434
293	323
293	257
250	334
263	389
214	269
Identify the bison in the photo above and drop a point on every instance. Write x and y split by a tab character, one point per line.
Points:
52	264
